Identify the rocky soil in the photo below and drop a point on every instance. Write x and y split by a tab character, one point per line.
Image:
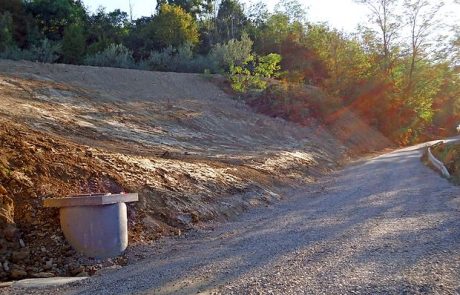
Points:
386	225
192	152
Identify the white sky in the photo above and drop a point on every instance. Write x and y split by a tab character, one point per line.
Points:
341	14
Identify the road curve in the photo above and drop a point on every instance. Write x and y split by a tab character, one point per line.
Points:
385	225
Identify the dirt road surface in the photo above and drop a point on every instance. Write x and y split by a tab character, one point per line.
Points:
387	225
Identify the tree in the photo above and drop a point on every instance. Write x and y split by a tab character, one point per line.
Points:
231	20
195	8
275	31
73	44
383	15
6	31
421	20
106	28
23	26
173	26
293	9
53	16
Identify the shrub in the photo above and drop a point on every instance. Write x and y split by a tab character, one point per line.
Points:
15	53
179	60
233	53
252	75
48	51
116	55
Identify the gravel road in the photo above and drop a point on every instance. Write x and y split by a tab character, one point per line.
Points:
386	225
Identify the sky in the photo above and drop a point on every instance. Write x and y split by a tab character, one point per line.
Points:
341	14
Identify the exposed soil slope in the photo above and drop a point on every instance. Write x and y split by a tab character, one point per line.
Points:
190	150
387	225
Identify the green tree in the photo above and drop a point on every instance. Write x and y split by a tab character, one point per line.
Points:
195	8
73	44
6	31
173	26
387	25
53	16
106	28
230	21
293	9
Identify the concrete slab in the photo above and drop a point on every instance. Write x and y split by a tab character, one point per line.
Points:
46	282
91	200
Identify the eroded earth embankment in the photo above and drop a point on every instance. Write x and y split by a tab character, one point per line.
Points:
192	152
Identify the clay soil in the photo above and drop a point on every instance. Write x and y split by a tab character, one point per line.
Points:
192	152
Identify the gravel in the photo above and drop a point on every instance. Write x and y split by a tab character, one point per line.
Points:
387	225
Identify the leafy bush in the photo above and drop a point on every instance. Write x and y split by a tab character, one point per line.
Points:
233	53
179	60
47	52
116	55
15	53
252	75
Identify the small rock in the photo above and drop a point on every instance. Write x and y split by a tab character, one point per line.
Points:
3	191
48	264
42	275
10	232
6	284
18	256
21	242
17	272
6	266
82	274
75	268
43	249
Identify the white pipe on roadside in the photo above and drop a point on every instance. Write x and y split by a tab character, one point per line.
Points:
438	164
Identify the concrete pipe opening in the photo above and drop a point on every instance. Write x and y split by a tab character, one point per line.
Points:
95	225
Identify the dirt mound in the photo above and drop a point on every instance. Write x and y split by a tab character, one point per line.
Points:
355	134
191	151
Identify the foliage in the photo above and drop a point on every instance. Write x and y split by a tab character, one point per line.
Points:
106	28
73	44
53	16
47	52
234	52
252	75
173	26
193	7
116	55
6	31
180	60
231	20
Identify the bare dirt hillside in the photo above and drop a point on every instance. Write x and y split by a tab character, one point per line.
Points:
192	152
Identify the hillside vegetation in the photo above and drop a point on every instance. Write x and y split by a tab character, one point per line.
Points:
399	71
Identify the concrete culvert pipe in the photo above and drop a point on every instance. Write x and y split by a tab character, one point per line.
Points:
95	225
